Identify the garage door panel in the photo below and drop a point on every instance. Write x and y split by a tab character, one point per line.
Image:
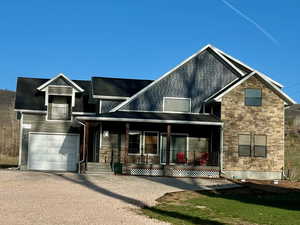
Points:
54	166
53	152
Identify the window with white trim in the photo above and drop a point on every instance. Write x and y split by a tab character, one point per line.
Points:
174	104
134	142
59	108
150	143
178	148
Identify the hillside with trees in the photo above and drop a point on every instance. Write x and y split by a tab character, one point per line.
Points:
9	129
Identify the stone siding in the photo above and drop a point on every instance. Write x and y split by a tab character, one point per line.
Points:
267	119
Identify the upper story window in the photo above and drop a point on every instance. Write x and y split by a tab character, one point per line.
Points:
59	108
173	104
253	97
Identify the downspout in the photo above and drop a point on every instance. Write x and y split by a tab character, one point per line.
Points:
83	156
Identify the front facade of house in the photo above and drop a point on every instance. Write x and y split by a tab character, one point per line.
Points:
209	116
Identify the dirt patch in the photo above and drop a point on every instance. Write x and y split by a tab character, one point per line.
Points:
253	187
283	186
178	197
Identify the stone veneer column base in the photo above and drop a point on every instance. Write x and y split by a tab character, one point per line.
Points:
257	175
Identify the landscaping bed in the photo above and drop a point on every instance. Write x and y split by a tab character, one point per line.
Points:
256	202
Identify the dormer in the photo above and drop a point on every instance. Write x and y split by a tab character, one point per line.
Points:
60	97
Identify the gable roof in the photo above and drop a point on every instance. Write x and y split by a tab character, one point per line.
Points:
241	68
28	97
44	85
121	88
160	78
217	96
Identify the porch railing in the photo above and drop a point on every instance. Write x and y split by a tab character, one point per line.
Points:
192	158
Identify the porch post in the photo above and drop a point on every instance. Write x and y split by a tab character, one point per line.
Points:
126	143
168	144
221	148
86	142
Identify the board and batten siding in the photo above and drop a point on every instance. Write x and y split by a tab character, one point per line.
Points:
107	105
38	123
198	79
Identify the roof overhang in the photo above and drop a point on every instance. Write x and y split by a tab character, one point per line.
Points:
244	65
86	118
44	86
104	97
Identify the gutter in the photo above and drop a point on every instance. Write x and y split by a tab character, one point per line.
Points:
149	120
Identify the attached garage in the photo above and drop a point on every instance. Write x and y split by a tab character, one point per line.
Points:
56	152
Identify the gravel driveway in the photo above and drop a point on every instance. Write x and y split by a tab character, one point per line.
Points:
49	198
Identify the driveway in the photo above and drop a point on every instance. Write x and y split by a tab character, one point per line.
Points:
49	198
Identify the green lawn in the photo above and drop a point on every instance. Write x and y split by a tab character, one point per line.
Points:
240	206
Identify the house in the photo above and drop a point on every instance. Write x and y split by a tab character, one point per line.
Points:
211	115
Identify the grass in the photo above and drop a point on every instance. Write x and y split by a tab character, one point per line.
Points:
240	206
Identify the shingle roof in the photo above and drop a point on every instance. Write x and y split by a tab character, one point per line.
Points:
29	98
105	86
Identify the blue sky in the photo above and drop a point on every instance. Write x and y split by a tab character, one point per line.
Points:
144	39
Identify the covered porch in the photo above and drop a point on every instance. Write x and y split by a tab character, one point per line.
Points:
188	147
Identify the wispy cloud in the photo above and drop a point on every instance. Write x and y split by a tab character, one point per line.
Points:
260	28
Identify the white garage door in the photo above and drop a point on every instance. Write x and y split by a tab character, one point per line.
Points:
53	151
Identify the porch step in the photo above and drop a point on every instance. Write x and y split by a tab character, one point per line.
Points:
97	168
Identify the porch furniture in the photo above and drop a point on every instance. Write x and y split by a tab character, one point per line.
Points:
180	157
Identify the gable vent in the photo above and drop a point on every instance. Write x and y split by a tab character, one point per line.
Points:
60	90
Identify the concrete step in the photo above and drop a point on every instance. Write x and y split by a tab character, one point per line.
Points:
97	168
99	173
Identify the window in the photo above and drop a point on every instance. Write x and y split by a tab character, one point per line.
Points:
150	143
244	145
253	97
59	108
178	148
172	104
260	145
134	142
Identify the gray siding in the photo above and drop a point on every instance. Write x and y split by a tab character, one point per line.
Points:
198	79
38	123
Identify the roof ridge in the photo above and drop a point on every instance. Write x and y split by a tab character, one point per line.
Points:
121	78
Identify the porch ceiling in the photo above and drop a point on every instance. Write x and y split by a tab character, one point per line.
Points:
156	117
